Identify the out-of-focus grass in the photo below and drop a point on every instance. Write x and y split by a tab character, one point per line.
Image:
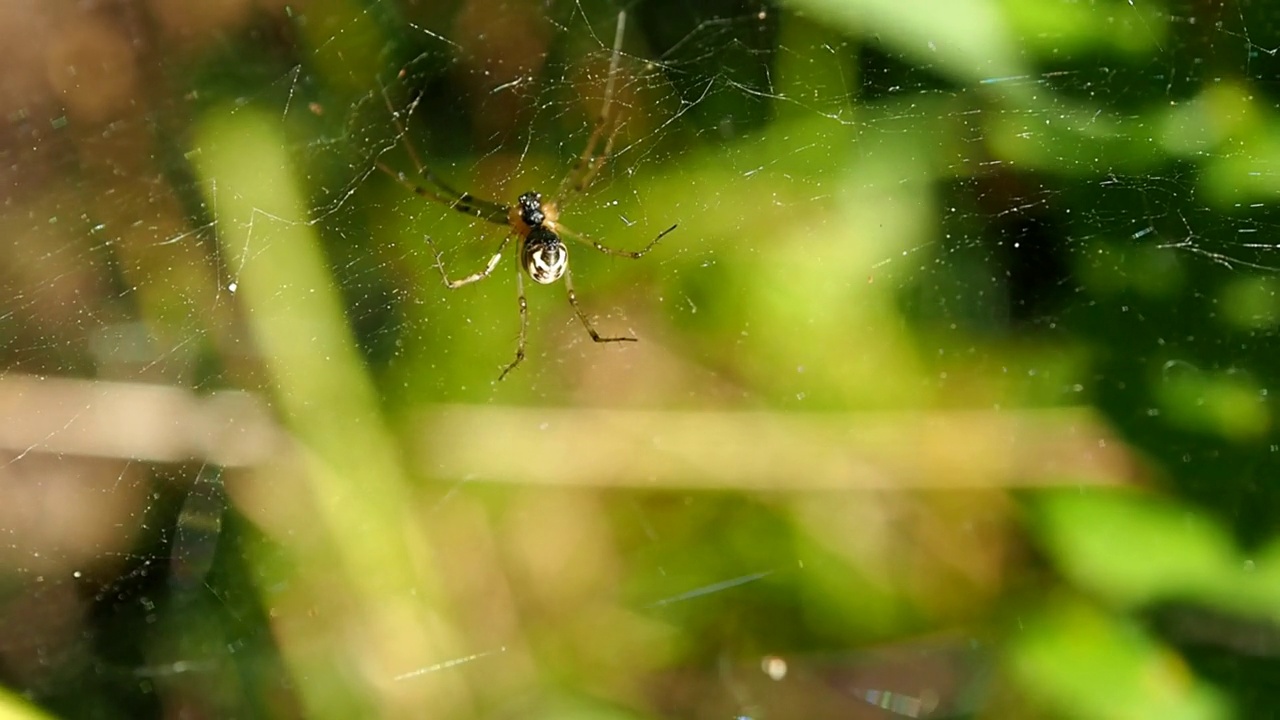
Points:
360	543
12	708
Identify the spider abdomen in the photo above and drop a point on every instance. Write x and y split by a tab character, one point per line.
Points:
544	255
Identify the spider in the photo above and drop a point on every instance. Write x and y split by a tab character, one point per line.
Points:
532	221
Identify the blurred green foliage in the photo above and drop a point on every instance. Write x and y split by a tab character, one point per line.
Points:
886	210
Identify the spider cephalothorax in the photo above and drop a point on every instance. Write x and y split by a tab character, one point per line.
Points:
531	212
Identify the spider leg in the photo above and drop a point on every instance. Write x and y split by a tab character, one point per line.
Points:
594	164
633	254
465	203
589	163
573	300
439	191
524	324
475	276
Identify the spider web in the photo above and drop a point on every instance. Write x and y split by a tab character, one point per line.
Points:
803	150
529	119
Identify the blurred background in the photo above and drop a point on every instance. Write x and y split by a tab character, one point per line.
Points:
950	397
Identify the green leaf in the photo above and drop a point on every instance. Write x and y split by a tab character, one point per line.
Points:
1090	665
1133	548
